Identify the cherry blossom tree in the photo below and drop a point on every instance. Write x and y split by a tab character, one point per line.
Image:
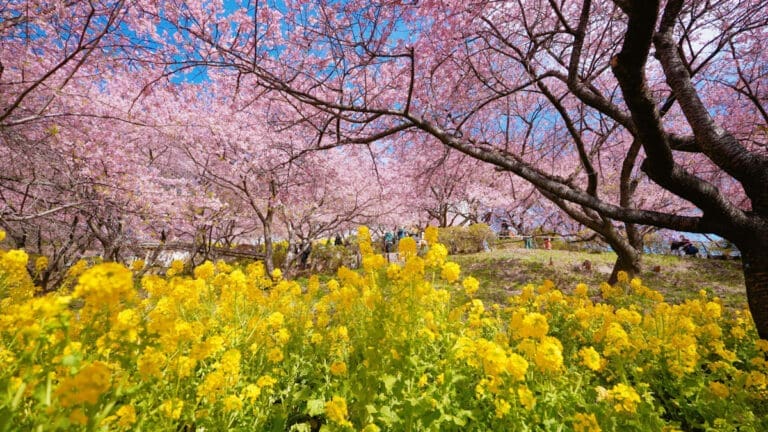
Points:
79	176
238	151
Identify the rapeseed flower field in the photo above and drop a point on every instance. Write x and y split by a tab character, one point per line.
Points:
393	346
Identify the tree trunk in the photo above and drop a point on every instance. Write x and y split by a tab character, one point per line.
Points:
629	255
755	266
268	249
628	261
443	222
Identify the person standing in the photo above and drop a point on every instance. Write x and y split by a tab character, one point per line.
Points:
389	241
400	233
528	241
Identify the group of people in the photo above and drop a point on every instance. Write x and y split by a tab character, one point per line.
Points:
391	238
683	246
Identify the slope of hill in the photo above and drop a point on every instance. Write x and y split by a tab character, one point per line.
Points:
503	272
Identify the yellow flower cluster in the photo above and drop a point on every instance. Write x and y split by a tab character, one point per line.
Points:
16	283
624	398
431	235
336	410
105	288
585	423
86	386
450	272
41	264
406	247
387	347
364	240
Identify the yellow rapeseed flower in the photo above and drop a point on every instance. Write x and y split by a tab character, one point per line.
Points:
436	255
549	355
104	286
277	274
137	265
176	268
622	277
431	235
364	240
275	320
624	398
517	366
757	380
585	423
185	366
230	365
471	285
232	403
719	389
406	247
212	386
15	257
336	411
450	272
534	325
423	380
204	270
275	355
616	340
338	368
590	358
526	398
126	415
266	381
372	262
251	392
77	268
41	264
502	407
86	386
172	408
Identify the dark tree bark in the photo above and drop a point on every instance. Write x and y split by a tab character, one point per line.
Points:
747	229
755	262
628	261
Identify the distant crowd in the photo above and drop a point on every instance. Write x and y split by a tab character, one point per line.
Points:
391	238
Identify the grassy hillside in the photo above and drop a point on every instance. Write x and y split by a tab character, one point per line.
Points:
504	271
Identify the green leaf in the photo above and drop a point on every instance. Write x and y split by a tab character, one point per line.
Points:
389	382
315	407
461	417
6	415
69	360
388	416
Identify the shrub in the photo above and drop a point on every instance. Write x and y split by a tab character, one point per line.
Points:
472	239
328	258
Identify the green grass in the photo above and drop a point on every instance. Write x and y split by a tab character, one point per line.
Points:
504	271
